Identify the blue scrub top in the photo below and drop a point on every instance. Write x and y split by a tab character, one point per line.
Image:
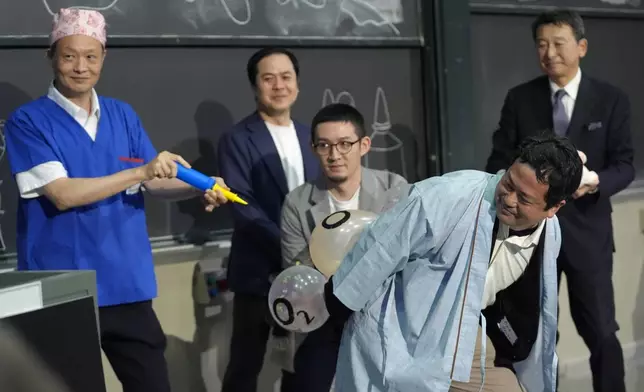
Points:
109	236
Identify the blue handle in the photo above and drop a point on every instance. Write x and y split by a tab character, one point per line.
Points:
194	178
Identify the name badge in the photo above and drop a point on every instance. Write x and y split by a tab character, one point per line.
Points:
506	328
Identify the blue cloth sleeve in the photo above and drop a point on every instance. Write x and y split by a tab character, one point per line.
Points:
146	150
383	249
143	147
413	228
26	146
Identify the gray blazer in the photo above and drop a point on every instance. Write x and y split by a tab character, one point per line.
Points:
307	205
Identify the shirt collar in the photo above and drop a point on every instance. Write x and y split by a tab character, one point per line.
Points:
522	242
572	88
69	106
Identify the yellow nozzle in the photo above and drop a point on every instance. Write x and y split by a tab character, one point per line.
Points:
229	195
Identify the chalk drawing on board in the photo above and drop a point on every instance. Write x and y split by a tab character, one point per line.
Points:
232	16
634	3
86	7
390	9
303	17
318	5
3	144
387	150
343	97
2	151
325	17
206	11
364	13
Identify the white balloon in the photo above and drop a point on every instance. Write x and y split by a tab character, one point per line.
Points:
296	299
332	239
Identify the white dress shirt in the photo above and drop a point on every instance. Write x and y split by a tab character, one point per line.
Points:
569	99
509	260
572	89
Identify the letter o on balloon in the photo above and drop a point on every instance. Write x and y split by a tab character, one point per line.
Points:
296	299
332	239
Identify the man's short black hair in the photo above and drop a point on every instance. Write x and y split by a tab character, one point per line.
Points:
560	18
339	112
556	163
251	67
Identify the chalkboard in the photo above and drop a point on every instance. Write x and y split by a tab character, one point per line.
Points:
616	7
184	21
187	97
503	56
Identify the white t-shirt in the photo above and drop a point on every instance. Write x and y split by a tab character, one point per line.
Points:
509	260
288	148
343	205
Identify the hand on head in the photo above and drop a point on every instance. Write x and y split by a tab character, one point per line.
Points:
582	156
589	179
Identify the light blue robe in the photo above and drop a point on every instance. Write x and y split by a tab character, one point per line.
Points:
415	279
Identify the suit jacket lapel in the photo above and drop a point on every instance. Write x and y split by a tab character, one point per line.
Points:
368	184
543	106
319	201
583	107
311	166
263	141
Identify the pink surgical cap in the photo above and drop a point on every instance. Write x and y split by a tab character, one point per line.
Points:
72	21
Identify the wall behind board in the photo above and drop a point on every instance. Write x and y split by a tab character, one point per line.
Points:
187	97
503	56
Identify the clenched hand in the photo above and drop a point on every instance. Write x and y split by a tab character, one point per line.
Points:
164	166
213	199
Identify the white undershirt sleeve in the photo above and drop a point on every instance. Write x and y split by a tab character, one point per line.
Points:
31	182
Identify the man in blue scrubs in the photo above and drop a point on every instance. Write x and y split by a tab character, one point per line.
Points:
80	162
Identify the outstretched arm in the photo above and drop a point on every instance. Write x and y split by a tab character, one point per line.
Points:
383	249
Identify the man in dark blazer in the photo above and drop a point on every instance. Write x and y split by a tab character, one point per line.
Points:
263	157
595	116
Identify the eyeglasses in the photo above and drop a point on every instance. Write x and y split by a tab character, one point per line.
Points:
343	147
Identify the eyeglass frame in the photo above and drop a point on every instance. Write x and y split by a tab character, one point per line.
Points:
336	145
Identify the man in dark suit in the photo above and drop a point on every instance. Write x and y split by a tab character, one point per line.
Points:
263	157
595	116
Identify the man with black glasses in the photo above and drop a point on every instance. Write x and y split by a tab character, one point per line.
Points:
339	141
